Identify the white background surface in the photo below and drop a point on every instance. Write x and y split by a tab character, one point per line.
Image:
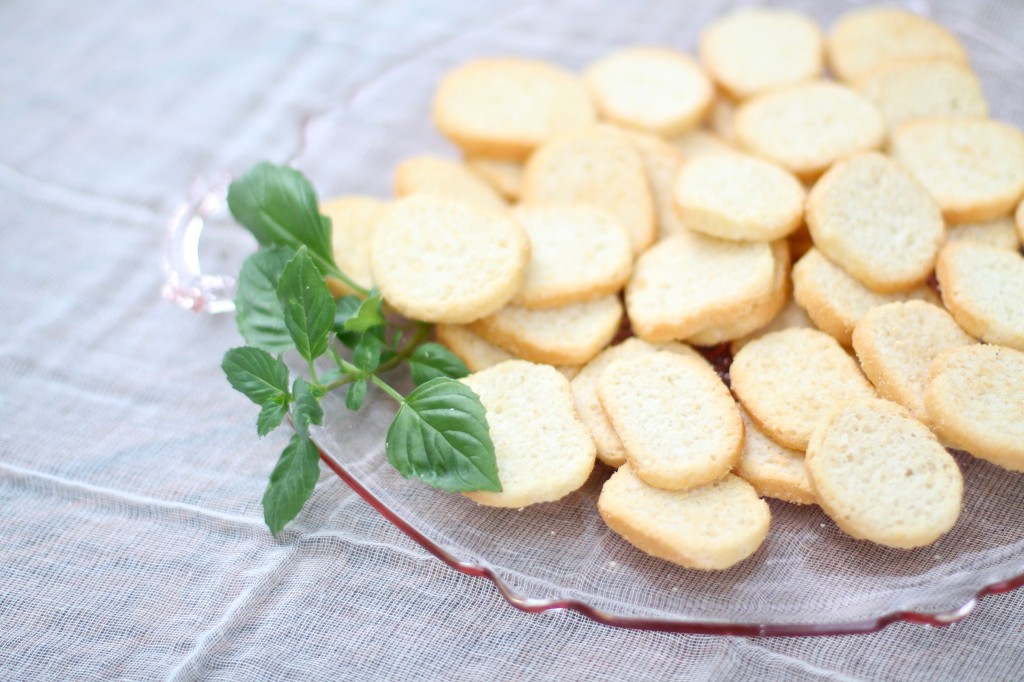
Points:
132	544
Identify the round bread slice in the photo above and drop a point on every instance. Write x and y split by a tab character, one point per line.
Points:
542	449
835	301
353	222
662	162
738	197
792	316
806	128
676	419
1000	233
504	176
789	380
654	89
445	178
588	406
905	91
882	476
577	253
701	142
868	38
871	218
439	260
504	108
974	167
774	471
597	167
983	288
478	354
689	282
975	400
758	315
896	343
755	50
712	527
571	335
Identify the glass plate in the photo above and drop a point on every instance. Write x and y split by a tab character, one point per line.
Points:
808	577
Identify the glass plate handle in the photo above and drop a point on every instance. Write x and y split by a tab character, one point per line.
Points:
185	283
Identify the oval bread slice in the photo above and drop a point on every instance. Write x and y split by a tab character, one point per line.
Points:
478	354
789	380
751	51
689	282
774	470
353	222
870	217
654	89
588	405
699	142
504	176
439	260
1000	233
975	400
758	315
597	167
738	197
445	178
661	161
905	91
835	301
676	419
806	128
712	527
983	287
542	449
865	39
974	167
577	253
571	335
882	476
896	343
504	108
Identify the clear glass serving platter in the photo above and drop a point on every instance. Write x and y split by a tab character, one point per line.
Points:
808	577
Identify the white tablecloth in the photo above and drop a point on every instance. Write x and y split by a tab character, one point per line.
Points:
132	544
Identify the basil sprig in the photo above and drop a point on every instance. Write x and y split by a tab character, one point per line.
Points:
439	433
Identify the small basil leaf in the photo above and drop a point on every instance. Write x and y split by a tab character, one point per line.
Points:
432	360
306	409
291	483
344	308
257	374
270	417
279	206
367	353
259	315
369	315
440	436
356	395
308	305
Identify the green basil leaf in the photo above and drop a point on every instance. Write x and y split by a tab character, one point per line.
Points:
308	305
345	308
356	395
306	409
257	374
366	356
369	314
279	206
432	360
291	483
258	311
270	417
440	436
